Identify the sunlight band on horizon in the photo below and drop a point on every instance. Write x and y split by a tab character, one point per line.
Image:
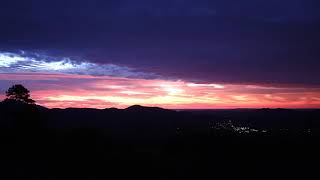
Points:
62	91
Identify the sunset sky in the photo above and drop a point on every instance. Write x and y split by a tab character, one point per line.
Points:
179	54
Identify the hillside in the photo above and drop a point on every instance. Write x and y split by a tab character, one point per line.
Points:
155	143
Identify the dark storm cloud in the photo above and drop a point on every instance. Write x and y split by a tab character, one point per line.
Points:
236	41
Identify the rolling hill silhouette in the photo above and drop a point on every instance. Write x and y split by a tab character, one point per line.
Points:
156	143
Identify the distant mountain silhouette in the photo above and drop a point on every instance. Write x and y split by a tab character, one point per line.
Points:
157	118
138	108
156	143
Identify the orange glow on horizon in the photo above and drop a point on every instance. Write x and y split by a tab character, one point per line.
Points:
62	91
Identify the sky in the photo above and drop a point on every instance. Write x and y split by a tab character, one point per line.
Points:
180	54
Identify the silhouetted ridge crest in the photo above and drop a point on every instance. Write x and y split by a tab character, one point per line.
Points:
14	105
139	108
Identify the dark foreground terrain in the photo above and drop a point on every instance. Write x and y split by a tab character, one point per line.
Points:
154	143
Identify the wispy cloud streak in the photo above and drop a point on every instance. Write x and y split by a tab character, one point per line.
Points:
26	62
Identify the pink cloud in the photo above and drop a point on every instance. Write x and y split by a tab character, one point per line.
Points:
60	90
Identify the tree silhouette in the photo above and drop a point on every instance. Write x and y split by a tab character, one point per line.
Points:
19	93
